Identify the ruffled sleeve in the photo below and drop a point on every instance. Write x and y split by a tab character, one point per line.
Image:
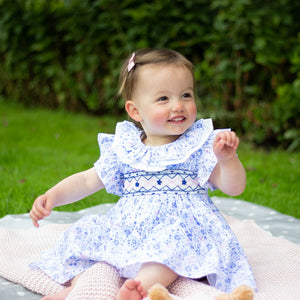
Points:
107	166
207	161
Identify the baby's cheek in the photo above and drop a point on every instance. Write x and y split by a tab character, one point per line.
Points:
159	117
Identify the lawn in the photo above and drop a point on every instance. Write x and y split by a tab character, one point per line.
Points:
40	147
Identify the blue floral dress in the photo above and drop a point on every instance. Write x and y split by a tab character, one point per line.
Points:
164	214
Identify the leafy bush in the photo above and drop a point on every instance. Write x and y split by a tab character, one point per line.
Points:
68	53
251	69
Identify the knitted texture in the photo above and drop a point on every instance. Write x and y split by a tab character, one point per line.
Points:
20	247
185	288
275	263
101	282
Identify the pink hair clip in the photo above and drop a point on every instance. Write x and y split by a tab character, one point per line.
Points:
131	62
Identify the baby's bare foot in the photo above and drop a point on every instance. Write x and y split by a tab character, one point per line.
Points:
131	290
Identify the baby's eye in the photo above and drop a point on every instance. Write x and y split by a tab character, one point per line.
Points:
187	95
164	98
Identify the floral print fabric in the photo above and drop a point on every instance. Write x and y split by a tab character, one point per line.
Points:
164	214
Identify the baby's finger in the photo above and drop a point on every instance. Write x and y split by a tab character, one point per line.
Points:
230	138
219	138
42	205
41	211
236	142
35	223
233	140
38	209
218	145
38	213
34	219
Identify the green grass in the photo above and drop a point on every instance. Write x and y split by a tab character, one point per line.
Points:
40	147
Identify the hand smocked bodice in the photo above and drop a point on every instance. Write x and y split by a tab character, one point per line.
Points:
124	153
166	181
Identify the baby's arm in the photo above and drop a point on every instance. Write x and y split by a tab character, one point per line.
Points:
229	174
70	189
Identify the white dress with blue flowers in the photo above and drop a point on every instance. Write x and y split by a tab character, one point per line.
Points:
164	214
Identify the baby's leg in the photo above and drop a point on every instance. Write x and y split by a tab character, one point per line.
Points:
152	273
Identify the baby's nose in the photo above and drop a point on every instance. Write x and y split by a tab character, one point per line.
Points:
178	105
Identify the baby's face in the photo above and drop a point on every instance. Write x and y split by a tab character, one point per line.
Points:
164	99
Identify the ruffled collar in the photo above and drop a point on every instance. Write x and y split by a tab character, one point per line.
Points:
131	150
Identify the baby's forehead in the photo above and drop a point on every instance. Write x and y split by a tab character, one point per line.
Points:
153	78
152	70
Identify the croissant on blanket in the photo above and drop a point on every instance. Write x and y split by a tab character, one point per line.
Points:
243	292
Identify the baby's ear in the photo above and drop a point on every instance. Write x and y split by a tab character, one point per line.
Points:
132	110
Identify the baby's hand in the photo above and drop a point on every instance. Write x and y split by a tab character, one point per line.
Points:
225	145
41	208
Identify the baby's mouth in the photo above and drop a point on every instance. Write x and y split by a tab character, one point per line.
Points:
177	120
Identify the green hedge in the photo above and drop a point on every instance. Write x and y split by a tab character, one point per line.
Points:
246	53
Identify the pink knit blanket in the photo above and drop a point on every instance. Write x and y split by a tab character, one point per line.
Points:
274	261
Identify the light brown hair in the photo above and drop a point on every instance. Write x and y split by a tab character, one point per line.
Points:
128	79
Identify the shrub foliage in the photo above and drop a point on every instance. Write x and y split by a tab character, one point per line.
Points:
68	53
